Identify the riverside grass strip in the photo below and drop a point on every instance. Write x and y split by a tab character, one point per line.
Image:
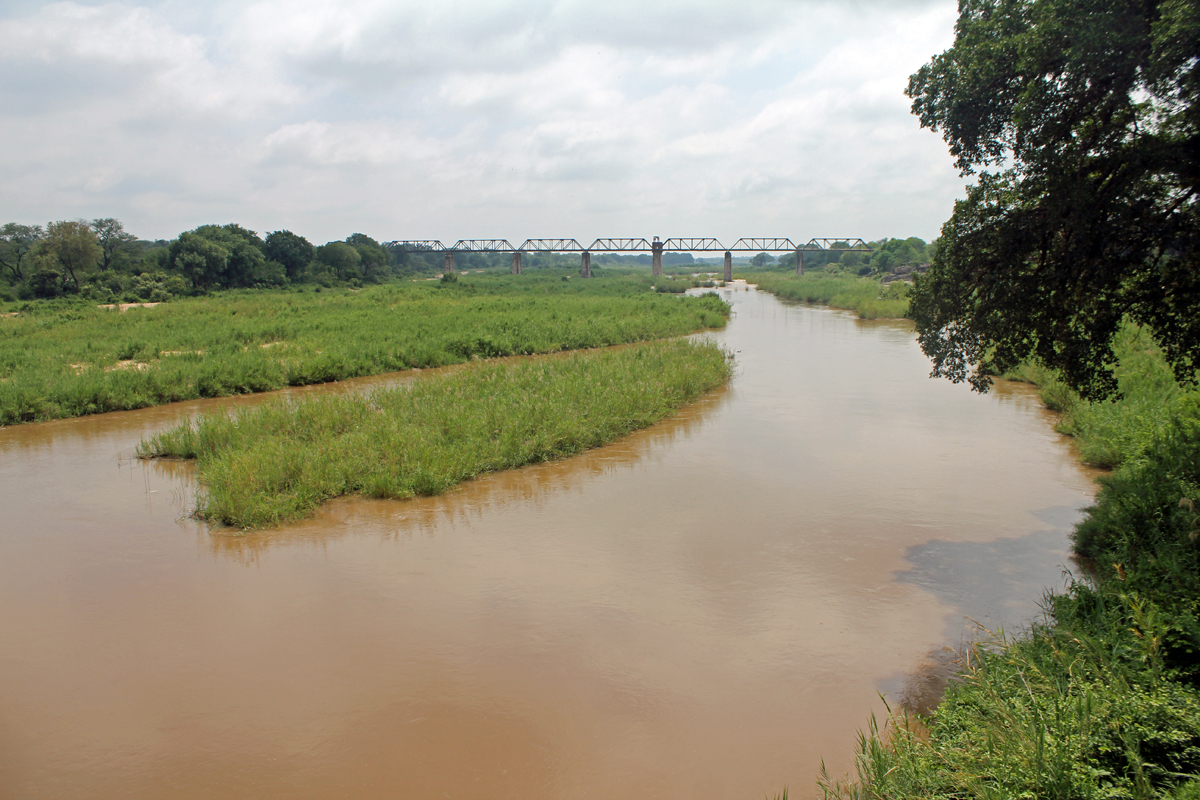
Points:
865	296
61	361
278	462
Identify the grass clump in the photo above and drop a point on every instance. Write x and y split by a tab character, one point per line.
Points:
867	297
65	361
280	461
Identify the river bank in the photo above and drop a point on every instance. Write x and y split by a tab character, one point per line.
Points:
1100	697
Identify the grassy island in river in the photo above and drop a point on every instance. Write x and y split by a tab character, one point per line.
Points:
280	461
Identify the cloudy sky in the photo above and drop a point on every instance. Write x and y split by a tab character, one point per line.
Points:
449	119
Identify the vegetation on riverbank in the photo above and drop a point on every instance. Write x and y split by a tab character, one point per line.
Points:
280	461
65	359
1109	432
865	296
1101	698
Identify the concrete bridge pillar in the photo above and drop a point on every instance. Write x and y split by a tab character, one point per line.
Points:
728	266
656	247
799	262
516	267
448	265
585	264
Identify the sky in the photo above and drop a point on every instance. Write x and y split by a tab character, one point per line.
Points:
472	119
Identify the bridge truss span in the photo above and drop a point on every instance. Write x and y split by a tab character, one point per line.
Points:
552	246
762	245
698	245
837	243
621	246
484	246
416	245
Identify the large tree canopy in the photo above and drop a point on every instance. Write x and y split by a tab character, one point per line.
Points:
1080	119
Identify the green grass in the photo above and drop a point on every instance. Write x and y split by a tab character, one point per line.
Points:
1110	432
865	296
280	461
64	360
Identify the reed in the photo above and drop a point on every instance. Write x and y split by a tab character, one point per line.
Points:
61	360
279	461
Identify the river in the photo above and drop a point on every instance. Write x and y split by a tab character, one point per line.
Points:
705	609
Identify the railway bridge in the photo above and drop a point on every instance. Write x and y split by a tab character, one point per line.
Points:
655	247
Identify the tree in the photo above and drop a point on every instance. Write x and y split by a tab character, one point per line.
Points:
341	259
113	239
1080	119
15	243
373	258
70	246
761	260
294	252
201	260
221	257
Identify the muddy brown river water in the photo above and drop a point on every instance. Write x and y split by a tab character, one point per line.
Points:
705	609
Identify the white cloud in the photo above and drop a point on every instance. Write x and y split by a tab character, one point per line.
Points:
461	119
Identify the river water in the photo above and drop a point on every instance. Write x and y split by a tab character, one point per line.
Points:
705	609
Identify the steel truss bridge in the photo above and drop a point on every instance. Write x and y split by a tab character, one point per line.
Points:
655	247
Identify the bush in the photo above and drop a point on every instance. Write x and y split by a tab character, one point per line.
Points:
1146	515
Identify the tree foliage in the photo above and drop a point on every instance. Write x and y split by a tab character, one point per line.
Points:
69	248
1080	119
340	259
112	237
224	256
294	252
15	243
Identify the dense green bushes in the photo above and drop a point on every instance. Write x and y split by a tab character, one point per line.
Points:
1145	526
67	360
279	461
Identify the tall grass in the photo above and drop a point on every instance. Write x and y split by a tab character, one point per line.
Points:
279	461
63	361
1110	432
869	298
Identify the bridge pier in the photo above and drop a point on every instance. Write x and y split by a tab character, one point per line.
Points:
448	262
585	265
656	248
728	266
799	262
516	267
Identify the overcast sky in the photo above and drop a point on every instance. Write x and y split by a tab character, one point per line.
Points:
448	119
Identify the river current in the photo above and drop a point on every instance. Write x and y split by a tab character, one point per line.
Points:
705	609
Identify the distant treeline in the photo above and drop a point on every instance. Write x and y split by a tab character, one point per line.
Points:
100	260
